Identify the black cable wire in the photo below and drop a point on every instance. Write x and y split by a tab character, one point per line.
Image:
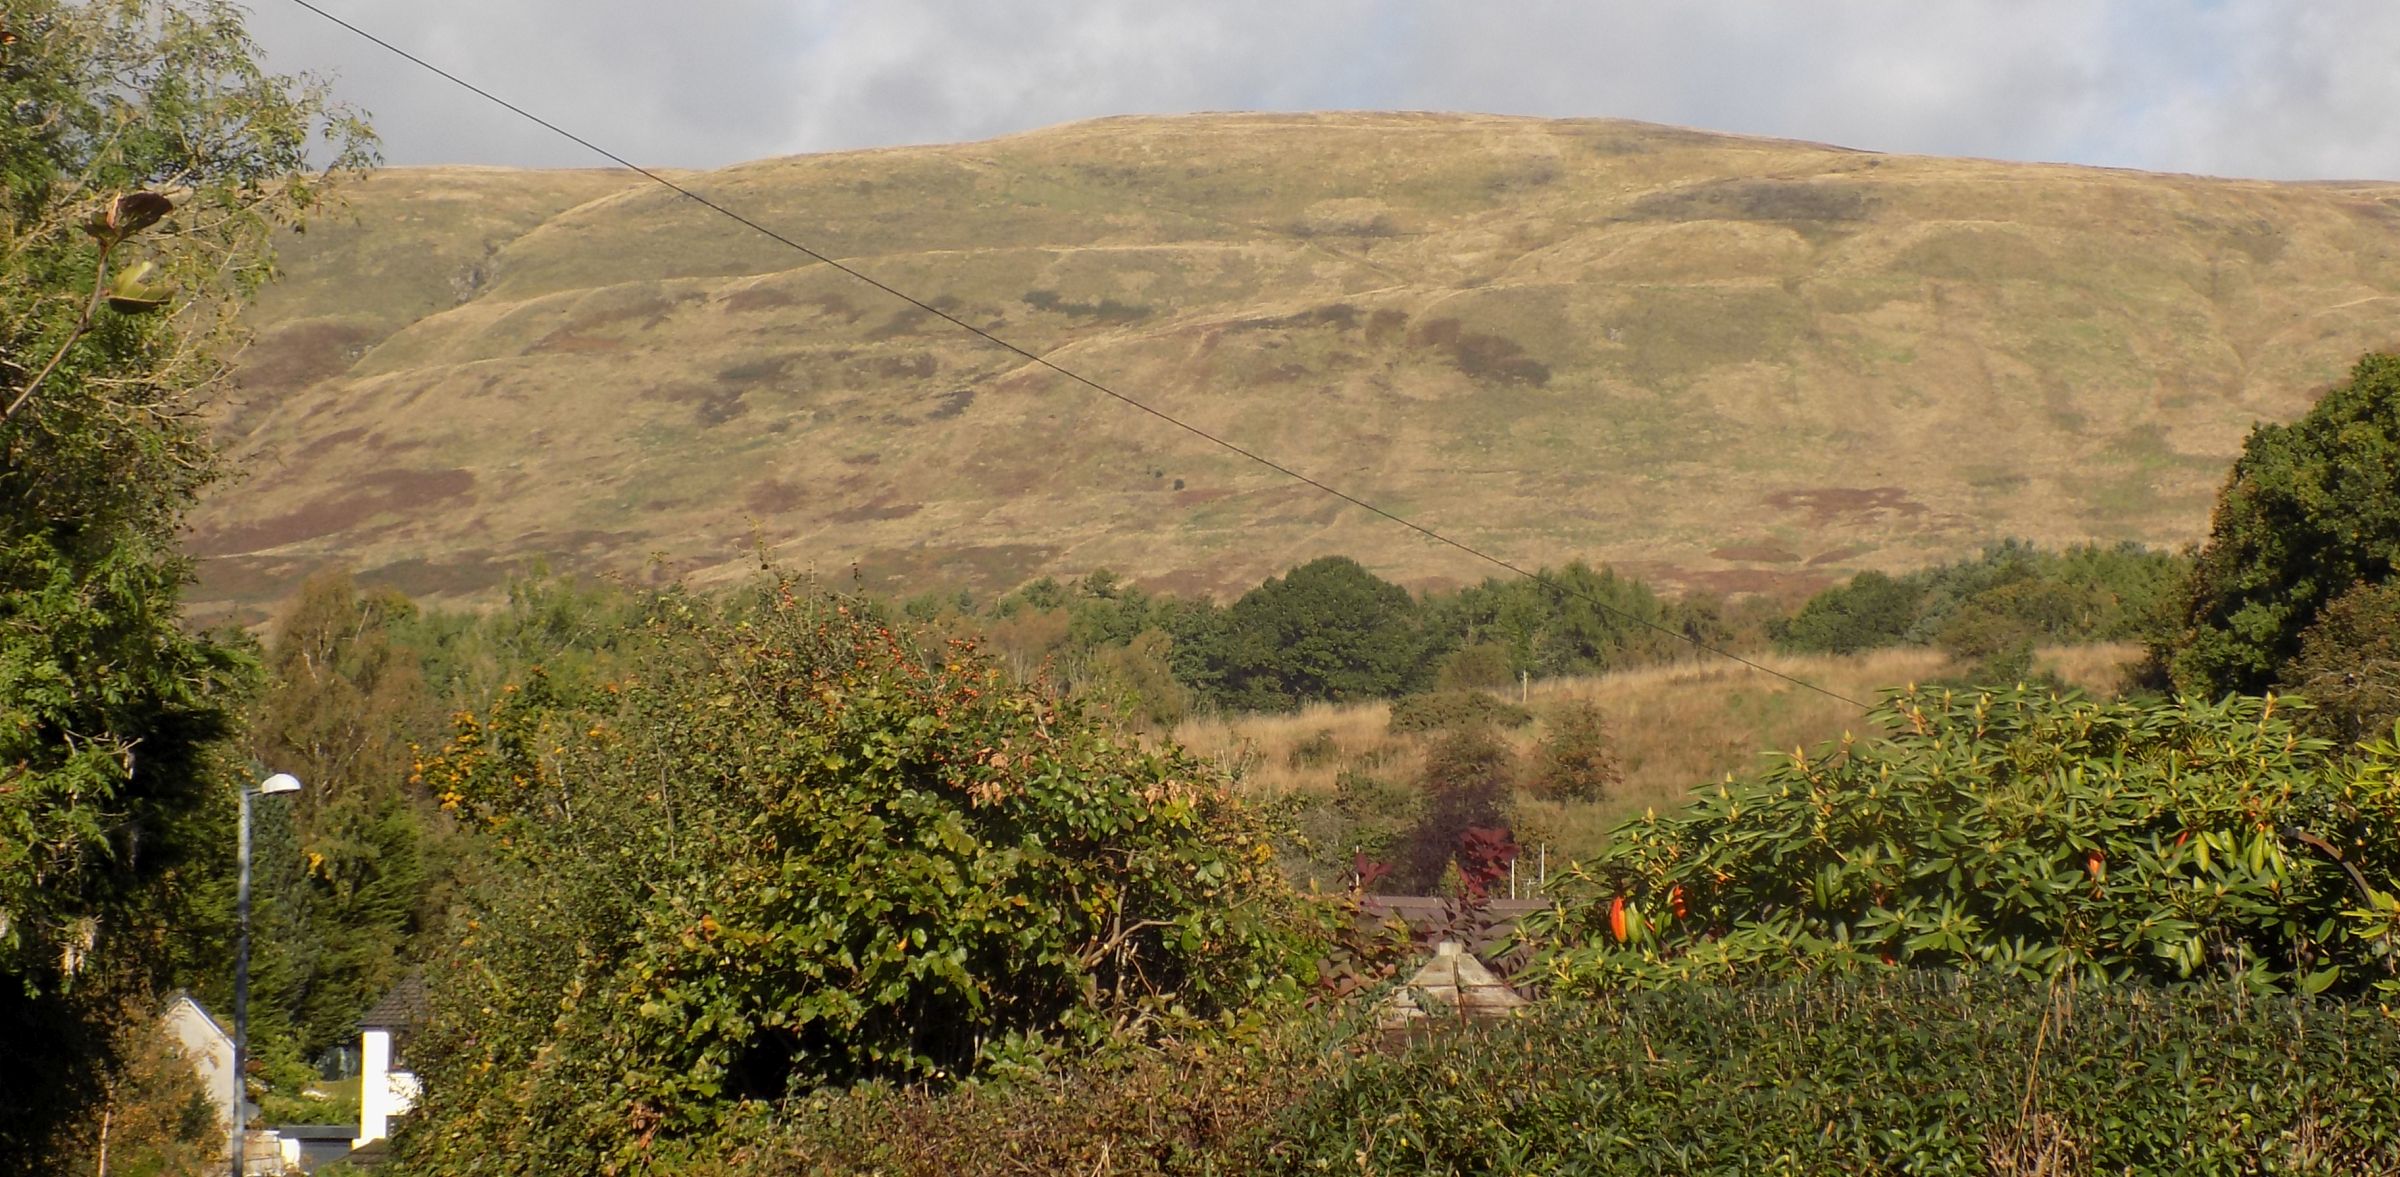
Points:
1070	374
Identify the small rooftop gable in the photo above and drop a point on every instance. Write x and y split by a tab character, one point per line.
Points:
181	998
1452	984
401	1008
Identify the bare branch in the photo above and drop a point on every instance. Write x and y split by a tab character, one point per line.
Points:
83	326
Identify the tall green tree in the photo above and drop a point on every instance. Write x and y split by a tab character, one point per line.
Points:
1871	610
342	704
145	160
1328	629
1467	777
1570	620
2311	510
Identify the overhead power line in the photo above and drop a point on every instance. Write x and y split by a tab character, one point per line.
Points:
1078	377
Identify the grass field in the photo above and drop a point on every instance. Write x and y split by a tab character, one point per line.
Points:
1674	727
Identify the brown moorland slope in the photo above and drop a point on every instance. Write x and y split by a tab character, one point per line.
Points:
1721	362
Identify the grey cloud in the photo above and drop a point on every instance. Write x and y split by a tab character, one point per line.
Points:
2244	87
700	84
2300	90
918	70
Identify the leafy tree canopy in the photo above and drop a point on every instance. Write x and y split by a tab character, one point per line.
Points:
2311	509
2349	663
144	161
790	849
2010	595
1872	610
1571	620
1328	629
347	874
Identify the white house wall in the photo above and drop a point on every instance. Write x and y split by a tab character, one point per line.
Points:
210	1052
383	1093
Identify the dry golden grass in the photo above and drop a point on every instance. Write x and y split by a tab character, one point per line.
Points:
1675	727
2100	670
1678	726
1303	751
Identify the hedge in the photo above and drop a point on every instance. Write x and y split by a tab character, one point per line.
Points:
1916	1072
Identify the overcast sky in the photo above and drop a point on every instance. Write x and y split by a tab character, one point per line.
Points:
2285	89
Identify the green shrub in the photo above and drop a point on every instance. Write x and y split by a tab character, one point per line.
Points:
1196	1107
1452	710
1469	774
1930	1075
1137	682
1474	667
1316	749
1369	798
1321	839
2349	663
1574	760
795	851
1999	670
1377	816
2026	833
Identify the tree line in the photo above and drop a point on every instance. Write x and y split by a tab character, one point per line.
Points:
1332	631
1329	630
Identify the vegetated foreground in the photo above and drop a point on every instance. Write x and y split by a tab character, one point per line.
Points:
1708	361
2005	930
749	881
777	850
1909	1074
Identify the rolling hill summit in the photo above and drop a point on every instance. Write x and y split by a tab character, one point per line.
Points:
1714	362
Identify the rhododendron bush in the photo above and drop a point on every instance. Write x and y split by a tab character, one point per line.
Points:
2020	832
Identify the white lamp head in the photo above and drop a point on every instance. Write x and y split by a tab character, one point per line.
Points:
282	782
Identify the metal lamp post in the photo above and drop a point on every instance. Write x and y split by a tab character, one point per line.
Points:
282	782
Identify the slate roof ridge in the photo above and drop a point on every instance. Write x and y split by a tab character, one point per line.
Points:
402	1007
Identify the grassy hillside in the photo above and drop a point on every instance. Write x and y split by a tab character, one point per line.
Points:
1713	361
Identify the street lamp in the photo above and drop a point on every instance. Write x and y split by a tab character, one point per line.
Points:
282	782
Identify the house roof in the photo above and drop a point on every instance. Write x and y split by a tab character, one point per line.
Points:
400	1009
1452	983
182	995
1484	929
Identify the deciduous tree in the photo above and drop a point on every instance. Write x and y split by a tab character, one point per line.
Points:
1328	629
343	701
2349	664
2311	510
790	849
145	160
